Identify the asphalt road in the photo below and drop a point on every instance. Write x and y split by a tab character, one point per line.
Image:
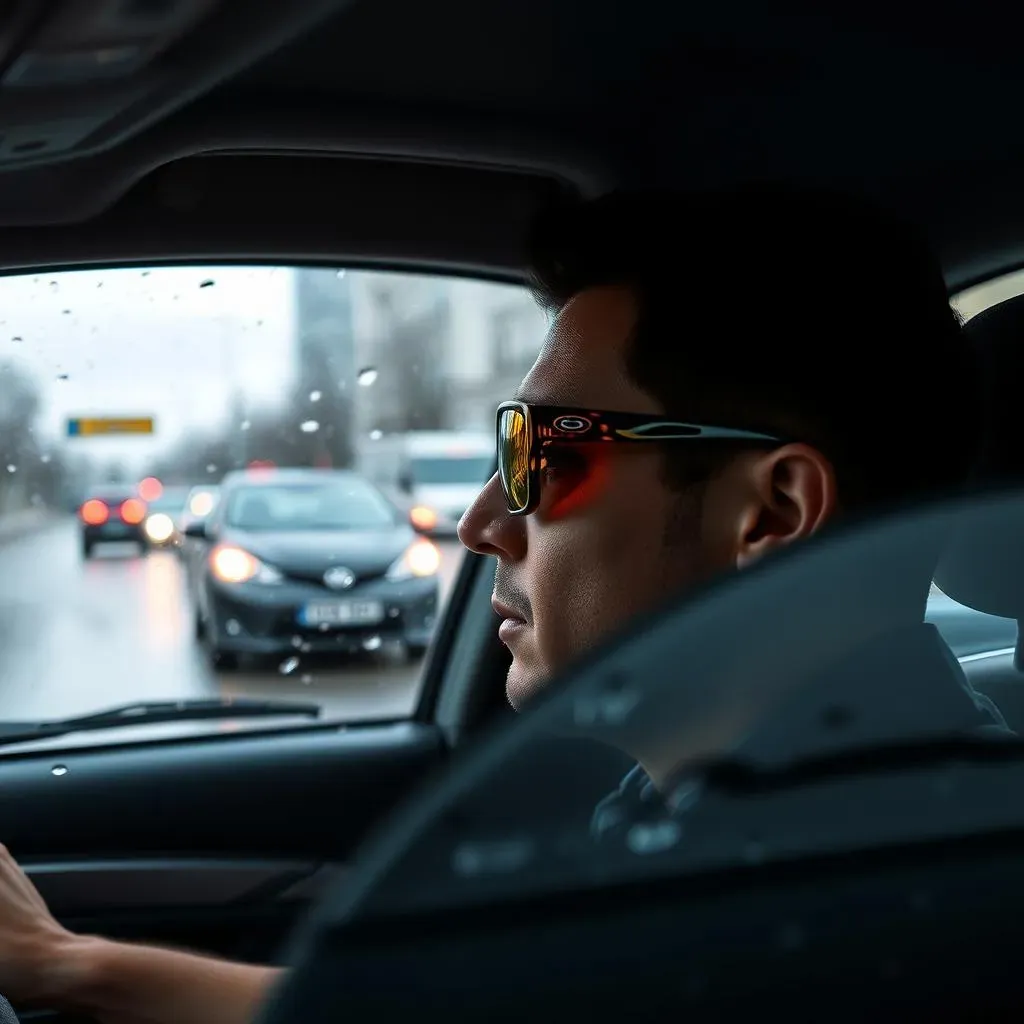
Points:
79	636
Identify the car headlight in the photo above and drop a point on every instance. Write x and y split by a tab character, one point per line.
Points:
423	517
159	527
420	558
234	565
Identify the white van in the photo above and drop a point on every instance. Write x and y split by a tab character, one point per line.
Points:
435	475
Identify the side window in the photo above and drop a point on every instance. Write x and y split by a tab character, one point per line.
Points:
136	403
972	634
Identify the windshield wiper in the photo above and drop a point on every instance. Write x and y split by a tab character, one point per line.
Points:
738	777
153	713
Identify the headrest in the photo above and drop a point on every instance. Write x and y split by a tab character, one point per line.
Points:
982	566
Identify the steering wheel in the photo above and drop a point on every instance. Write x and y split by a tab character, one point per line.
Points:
491	844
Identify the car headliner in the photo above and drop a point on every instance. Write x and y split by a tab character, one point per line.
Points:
448	123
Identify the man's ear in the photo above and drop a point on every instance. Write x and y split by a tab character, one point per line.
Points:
791	494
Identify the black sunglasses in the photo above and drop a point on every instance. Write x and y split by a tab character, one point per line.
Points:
523	431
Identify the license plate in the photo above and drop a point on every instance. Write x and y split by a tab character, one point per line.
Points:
115	530
342	613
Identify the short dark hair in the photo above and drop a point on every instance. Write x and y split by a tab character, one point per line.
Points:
785	309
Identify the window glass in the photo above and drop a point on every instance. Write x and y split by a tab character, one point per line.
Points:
345	505
218	482
972	634
458	469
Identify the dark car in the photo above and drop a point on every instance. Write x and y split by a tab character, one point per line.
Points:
310	561
112	514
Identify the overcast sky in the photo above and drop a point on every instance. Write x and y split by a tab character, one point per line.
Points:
149	343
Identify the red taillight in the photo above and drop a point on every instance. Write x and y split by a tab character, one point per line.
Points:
94	512
133	512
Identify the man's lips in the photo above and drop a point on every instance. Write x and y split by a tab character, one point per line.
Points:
512	621
503	611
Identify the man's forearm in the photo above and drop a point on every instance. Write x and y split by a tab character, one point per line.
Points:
126	984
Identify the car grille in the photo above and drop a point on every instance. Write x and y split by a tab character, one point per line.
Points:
317	579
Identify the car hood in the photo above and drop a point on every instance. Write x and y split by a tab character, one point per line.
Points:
313	552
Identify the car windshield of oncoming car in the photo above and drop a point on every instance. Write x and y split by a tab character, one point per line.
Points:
351	505
456	470
156	383
171	499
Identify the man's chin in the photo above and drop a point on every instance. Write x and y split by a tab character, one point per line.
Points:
522	686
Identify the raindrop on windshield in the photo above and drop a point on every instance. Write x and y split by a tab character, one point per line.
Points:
17	337
59	769
341	274
211	468
62	376
244	425
307	680
367	376
54	286
372	643
11	468
376	435
309	427
65	312
315	396
45	457
288	666
208	283
145	273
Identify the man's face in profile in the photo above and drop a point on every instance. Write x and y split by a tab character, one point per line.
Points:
596	551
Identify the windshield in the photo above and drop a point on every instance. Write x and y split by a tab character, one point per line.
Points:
170	500
164	384
343	505
452	470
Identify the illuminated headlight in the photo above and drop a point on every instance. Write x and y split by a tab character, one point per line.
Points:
233	565
423	517
201	504
420	558
159	528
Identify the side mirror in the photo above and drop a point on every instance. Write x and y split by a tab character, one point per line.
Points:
196	529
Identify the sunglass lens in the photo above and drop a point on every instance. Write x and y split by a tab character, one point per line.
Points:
514	458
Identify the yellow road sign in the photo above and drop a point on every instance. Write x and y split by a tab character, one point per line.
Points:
93	427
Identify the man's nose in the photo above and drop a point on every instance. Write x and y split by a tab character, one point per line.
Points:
488	529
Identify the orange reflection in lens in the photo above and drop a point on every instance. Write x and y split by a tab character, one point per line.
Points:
593	480
514	457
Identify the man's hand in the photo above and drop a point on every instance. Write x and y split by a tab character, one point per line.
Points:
36	953
42	962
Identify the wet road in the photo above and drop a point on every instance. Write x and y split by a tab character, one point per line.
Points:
78	636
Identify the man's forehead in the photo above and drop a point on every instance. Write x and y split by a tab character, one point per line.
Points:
582	360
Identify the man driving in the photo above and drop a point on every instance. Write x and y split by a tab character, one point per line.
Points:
725	375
